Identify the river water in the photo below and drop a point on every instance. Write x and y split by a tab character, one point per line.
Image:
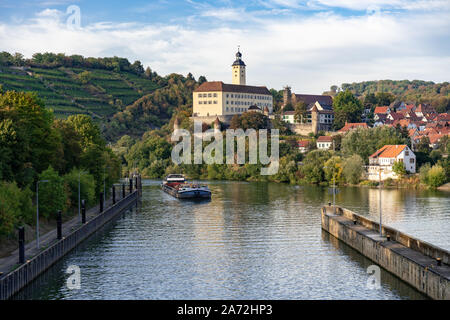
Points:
251	241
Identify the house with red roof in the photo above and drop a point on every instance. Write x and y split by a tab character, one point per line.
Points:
303	145
350	126
382	110
324	142
382	161
394	116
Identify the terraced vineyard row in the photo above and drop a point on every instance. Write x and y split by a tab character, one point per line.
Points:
68	91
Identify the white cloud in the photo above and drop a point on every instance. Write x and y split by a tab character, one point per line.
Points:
309	53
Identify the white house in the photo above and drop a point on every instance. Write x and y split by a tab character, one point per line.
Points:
324	142
382	161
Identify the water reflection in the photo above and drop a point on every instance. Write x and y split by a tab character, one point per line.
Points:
251	241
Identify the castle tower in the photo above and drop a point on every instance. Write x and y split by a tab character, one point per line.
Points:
315	119
238	68
287	95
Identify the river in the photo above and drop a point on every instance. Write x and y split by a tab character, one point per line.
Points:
251	241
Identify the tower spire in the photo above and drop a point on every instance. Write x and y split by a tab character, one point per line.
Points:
238	69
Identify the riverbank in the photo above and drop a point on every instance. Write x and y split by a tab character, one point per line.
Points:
422	265
14	276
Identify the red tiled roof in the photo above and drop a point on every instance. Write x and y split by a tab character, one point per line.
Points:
389	151
325	139
350	126
411	132
435	137
382	110
302	143
224	87
396	116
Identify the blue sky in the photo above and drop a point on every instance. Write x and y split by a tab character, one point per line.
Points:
309	45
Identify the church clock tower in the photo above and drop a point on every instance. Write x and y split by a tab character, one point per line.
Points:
238	70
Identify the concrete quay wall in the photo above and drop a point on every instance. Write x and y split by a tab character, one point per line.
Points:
412	260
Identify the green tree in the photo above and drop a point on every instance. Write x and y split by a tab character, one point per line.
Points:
26	137
52	194
399	168
15	207
249	120
333	169
85	77
301	112
313	166
71	145
353	169
346	108
87	187
384	98
436	176
87	130
365	141
423	173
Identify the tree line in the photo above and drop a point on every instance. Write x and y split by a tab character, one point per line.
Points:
35	146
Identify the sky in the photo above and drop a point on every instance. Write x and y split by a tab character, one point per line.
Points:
308	45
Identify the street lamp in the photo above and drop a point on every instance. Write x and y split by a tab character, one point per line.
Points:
37	212
379	187
334	188
79	192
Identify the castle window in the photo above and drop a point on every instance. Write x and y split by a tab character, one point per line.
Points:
209	95
215	95
209	102
227	109
200	102
215	101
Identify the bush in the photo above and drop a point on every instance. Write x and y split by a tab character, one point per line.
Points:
399	168
436	176
423	173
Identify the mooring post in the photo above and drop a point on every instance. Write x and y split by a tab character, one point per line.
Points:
21	245
59	225
114	194
123	190
101	202
83	211
131	185
136	182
